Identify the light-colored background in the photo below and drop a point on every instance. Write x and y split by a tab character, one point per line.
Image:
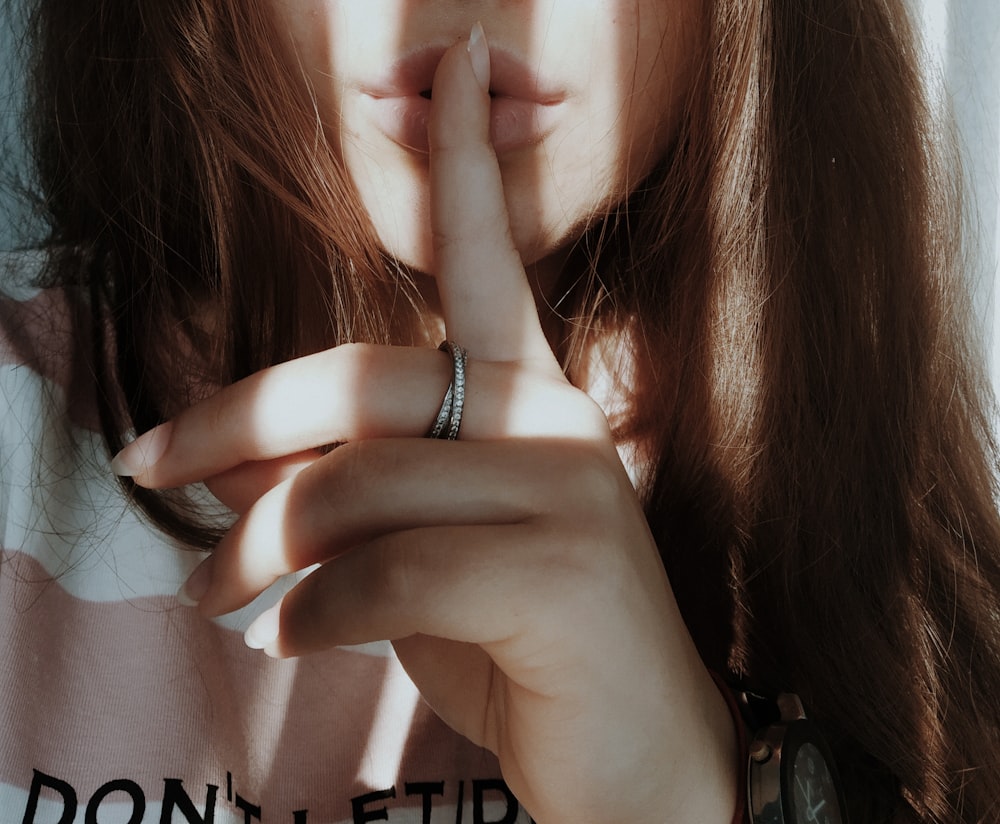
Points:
963	39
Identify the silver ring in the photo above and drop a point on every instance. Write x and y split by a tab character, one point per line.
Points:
449	418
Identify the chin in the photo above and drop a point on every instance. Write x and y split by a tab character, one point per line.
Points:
539	239
545	219
542	253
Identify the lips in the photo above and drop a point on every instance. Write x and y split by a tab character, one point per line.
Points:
524	106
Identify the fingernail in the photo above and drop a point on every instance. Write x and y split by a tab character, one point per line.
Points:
479	55
143	452
196	585
264	631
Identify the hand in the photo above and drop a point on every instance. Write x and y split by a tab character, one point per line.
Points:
513	570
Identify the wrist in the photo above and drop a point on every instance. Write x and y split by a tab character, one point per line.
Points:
741	812
711	788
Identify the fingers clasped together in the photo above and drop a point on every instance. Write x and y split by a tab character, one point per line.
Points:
512	569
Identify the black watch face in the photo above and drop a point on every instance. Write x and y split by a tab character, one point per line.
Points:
812	790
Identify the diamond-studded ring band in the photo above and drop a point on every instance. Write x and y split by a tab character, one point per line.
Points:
449	418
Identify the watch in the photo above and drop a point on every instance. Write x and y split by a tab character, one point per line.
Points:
791	775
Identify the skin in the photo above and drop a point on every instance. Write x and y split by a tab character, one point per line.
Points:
513	570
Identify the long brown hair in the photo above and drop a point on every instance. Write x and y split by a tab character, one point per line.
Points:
822	484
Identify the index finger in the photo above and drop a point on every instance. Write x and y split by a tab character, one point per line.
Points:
488	305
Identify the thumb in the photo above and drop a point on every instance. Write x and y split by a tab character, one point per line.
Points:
487	302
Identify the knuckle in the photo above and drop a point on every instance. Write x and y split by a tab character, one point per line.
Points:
354	356
599	481
395	572
358	468
591	417
350	467
229	419
553	407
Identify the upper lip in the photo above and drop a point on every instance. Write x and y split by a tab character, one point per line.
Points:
510	76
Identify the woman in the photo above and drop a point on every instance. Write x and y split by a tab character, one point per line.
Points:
724	219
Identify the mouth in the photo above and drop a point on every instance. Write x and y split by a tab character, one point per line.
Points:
523	111
428	94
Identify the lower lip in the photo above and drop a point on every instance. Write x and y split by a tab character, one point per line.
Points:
514	123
